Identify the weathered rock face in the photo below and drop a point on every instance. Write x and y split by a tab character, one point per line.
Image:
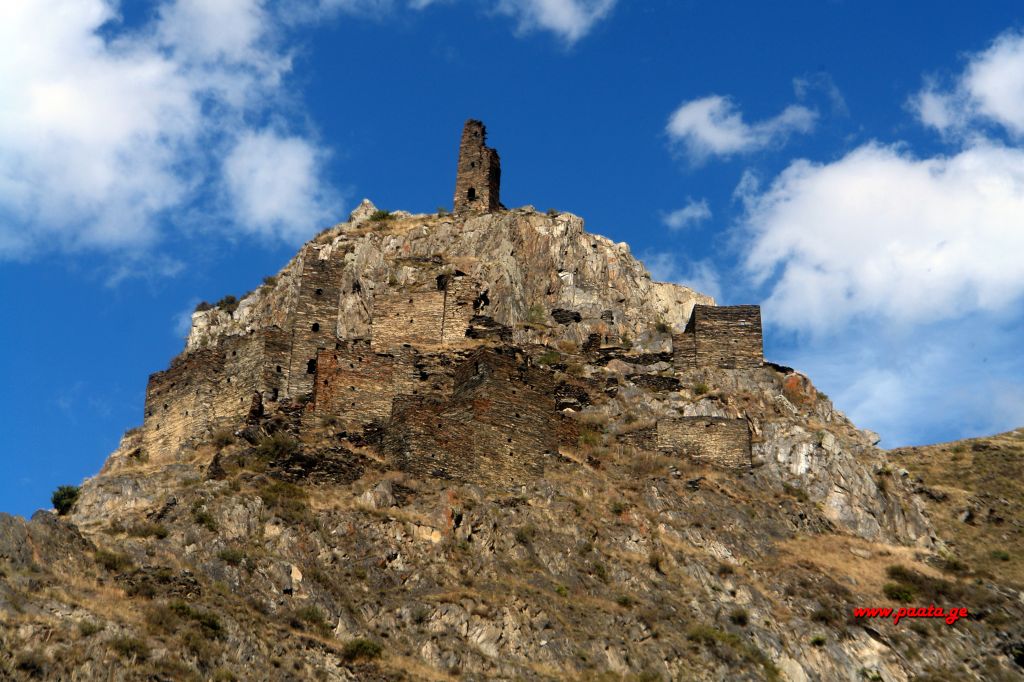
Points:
529	264
483	447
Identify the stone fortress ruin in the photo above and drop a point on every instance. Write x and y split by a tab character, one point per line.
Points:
444	341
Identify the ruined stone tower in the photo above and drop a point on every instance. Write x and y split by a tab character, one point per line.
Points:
479	173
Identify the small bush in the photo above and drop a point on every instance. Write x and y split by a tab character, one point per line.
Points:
725	569
112	561
1000	555
655	561
443	210
204	518
739	617
380	215
360	649
130	647
525	534
64	498
231	555
286	500
701	388
87	628
203	306
662	327
817	640
223	438
270	280
277	446
799	493
617	507
601	572
149	530
552	212
31	663
589	437
536	314
550	357
624	600
899	592
562	590
228	304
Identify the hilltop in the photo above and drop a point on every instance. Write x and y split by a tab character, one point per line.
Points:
484	444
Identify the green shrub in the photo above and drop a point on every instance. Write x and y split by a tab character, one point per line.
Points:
899	592
552	212
112	561
31	663
228	304
443	210
617	507
701	388
550	357
223	438
87	628
360	649
562	590
277	446
739	617
231	555
655	560
380	215
286	500
662	327
624	600
1000	555
270	280
149	530
203	306
204	518
817	640
525	534
130	647
64	498
536	314
589	437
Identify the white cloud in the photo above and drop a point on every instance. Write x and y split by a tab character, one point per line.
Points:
693	213
572	19
991	89
881	234
272	183
101	137
700	275
711	126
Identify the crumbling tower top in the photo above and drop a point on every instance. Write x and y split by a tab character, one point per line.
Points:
479	174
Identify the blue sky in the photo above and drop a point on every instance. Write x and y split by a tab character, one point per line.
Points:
856	168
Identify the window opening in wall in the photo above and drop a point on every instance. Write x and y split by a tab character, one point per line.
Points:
273	395
279	369
471	194
319	292
311	366
315	327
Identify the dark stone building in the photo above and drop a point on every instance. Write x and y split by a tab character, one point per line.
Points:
479	173
728	337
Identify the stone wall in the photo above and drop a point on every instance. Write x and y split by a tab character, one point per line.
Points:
728	337
412	317
461	294
716	441
478	177
498	427
314	318
358	385
212	388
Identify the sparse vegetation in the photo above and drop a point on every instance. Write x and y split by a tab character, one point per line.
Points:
228	304
223	438
899	592
1000	555
380	215
270	280
130	648
88	628
358	649
203	306
739	617
203	517
64	499
536	315
818	641
662	327
112	561
701	388
32	663
278	445
149	530
286	500
524	534
231	555
550	357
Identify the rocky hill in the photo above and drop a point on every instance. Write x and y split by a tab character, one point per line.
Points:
485	445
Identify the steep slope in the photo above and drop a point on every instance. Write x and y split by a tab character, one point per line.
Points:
488	446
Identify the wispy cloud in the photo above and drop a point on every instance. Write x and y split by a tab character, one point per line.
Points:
693	213
990	90
712	126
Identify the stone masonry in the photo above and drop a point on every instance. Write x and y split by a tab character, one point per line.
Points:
728	337
717	441
478	179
